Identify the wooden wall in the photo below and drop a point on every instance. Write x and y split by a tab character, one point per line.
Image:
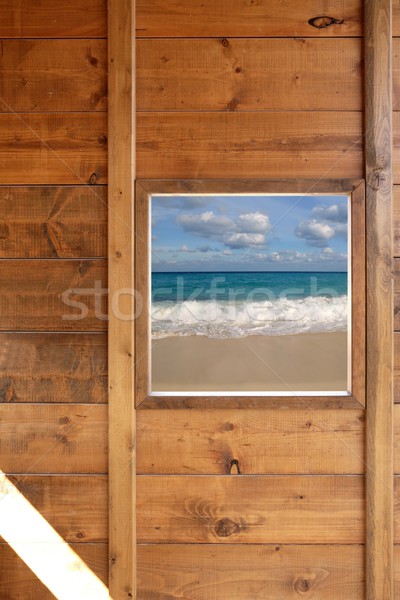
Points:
244	91
252	90
53	236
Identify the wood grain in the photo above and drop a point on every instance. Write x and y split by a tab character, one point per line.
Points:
396	220
221	18
50	222
262	441
52	149
396	273
75	506
122	442
249	74
19	583
278	145
48	19
53	368
378	165
265	572
53	438
53	75
250	509
50	295
396	371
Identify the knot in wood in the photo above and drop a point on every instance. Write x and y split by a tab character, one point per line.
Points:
377	179
93	179
225	42
324	21
302	585
226	527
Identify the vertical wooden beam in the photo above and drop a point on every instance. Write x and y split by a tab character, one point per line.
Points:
120	252
378	123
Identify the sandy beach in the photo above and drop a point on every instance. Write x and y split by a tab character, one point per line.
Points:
301	362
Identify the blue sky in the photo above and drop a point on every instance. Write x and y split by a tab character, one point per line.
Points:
249	233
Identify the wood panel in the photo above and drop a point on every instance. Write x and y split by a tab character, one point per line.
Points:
257	572
396	271
53	295
379	368
287	145
17	582
49	222
222	18
396	372
49	19
122	435
245	509
53	438
53	75
262	441
249	74
396	220
52	149
75	506
52	367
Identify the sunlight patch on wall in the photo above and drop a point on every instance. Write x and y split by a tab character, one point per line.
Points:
41	548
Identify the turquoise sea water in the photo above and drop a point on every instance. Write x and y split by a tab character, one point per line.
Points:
234	304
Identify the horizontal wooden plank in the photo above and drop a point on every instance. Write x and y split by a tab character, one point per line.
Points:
258	572
46	222
53	148
18	582
222	18
243	145
247	509
52	367
45	18
262	441
75	506
49	295
53	438
53	75
249	74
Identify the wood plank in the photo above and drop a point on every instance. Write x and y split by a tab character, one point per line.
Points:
75	506
249	74
263	572
122	443
262	441
19	583
396	372
378	171
237	509
53	75
396	273
222	18
53	438
51	295
49	222
396	220
45	18
277	145
53	148
51	367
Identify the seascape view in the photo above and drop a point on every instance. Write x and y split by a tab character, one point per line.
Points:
249	294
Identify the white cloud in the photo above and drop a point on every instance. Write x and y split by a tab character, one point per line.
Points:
206	224
335	212
244	240
315	233
256	222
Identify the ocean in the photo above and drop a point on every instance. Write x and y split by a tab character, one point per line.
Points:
236	304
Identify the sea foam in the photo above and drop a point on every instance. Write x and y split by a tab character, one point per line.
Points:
224	319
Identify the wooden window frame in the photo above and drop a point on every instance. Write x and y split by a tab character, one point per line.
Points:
144	191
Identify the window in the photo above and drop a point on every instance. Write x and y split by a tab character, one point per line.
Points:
250	289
